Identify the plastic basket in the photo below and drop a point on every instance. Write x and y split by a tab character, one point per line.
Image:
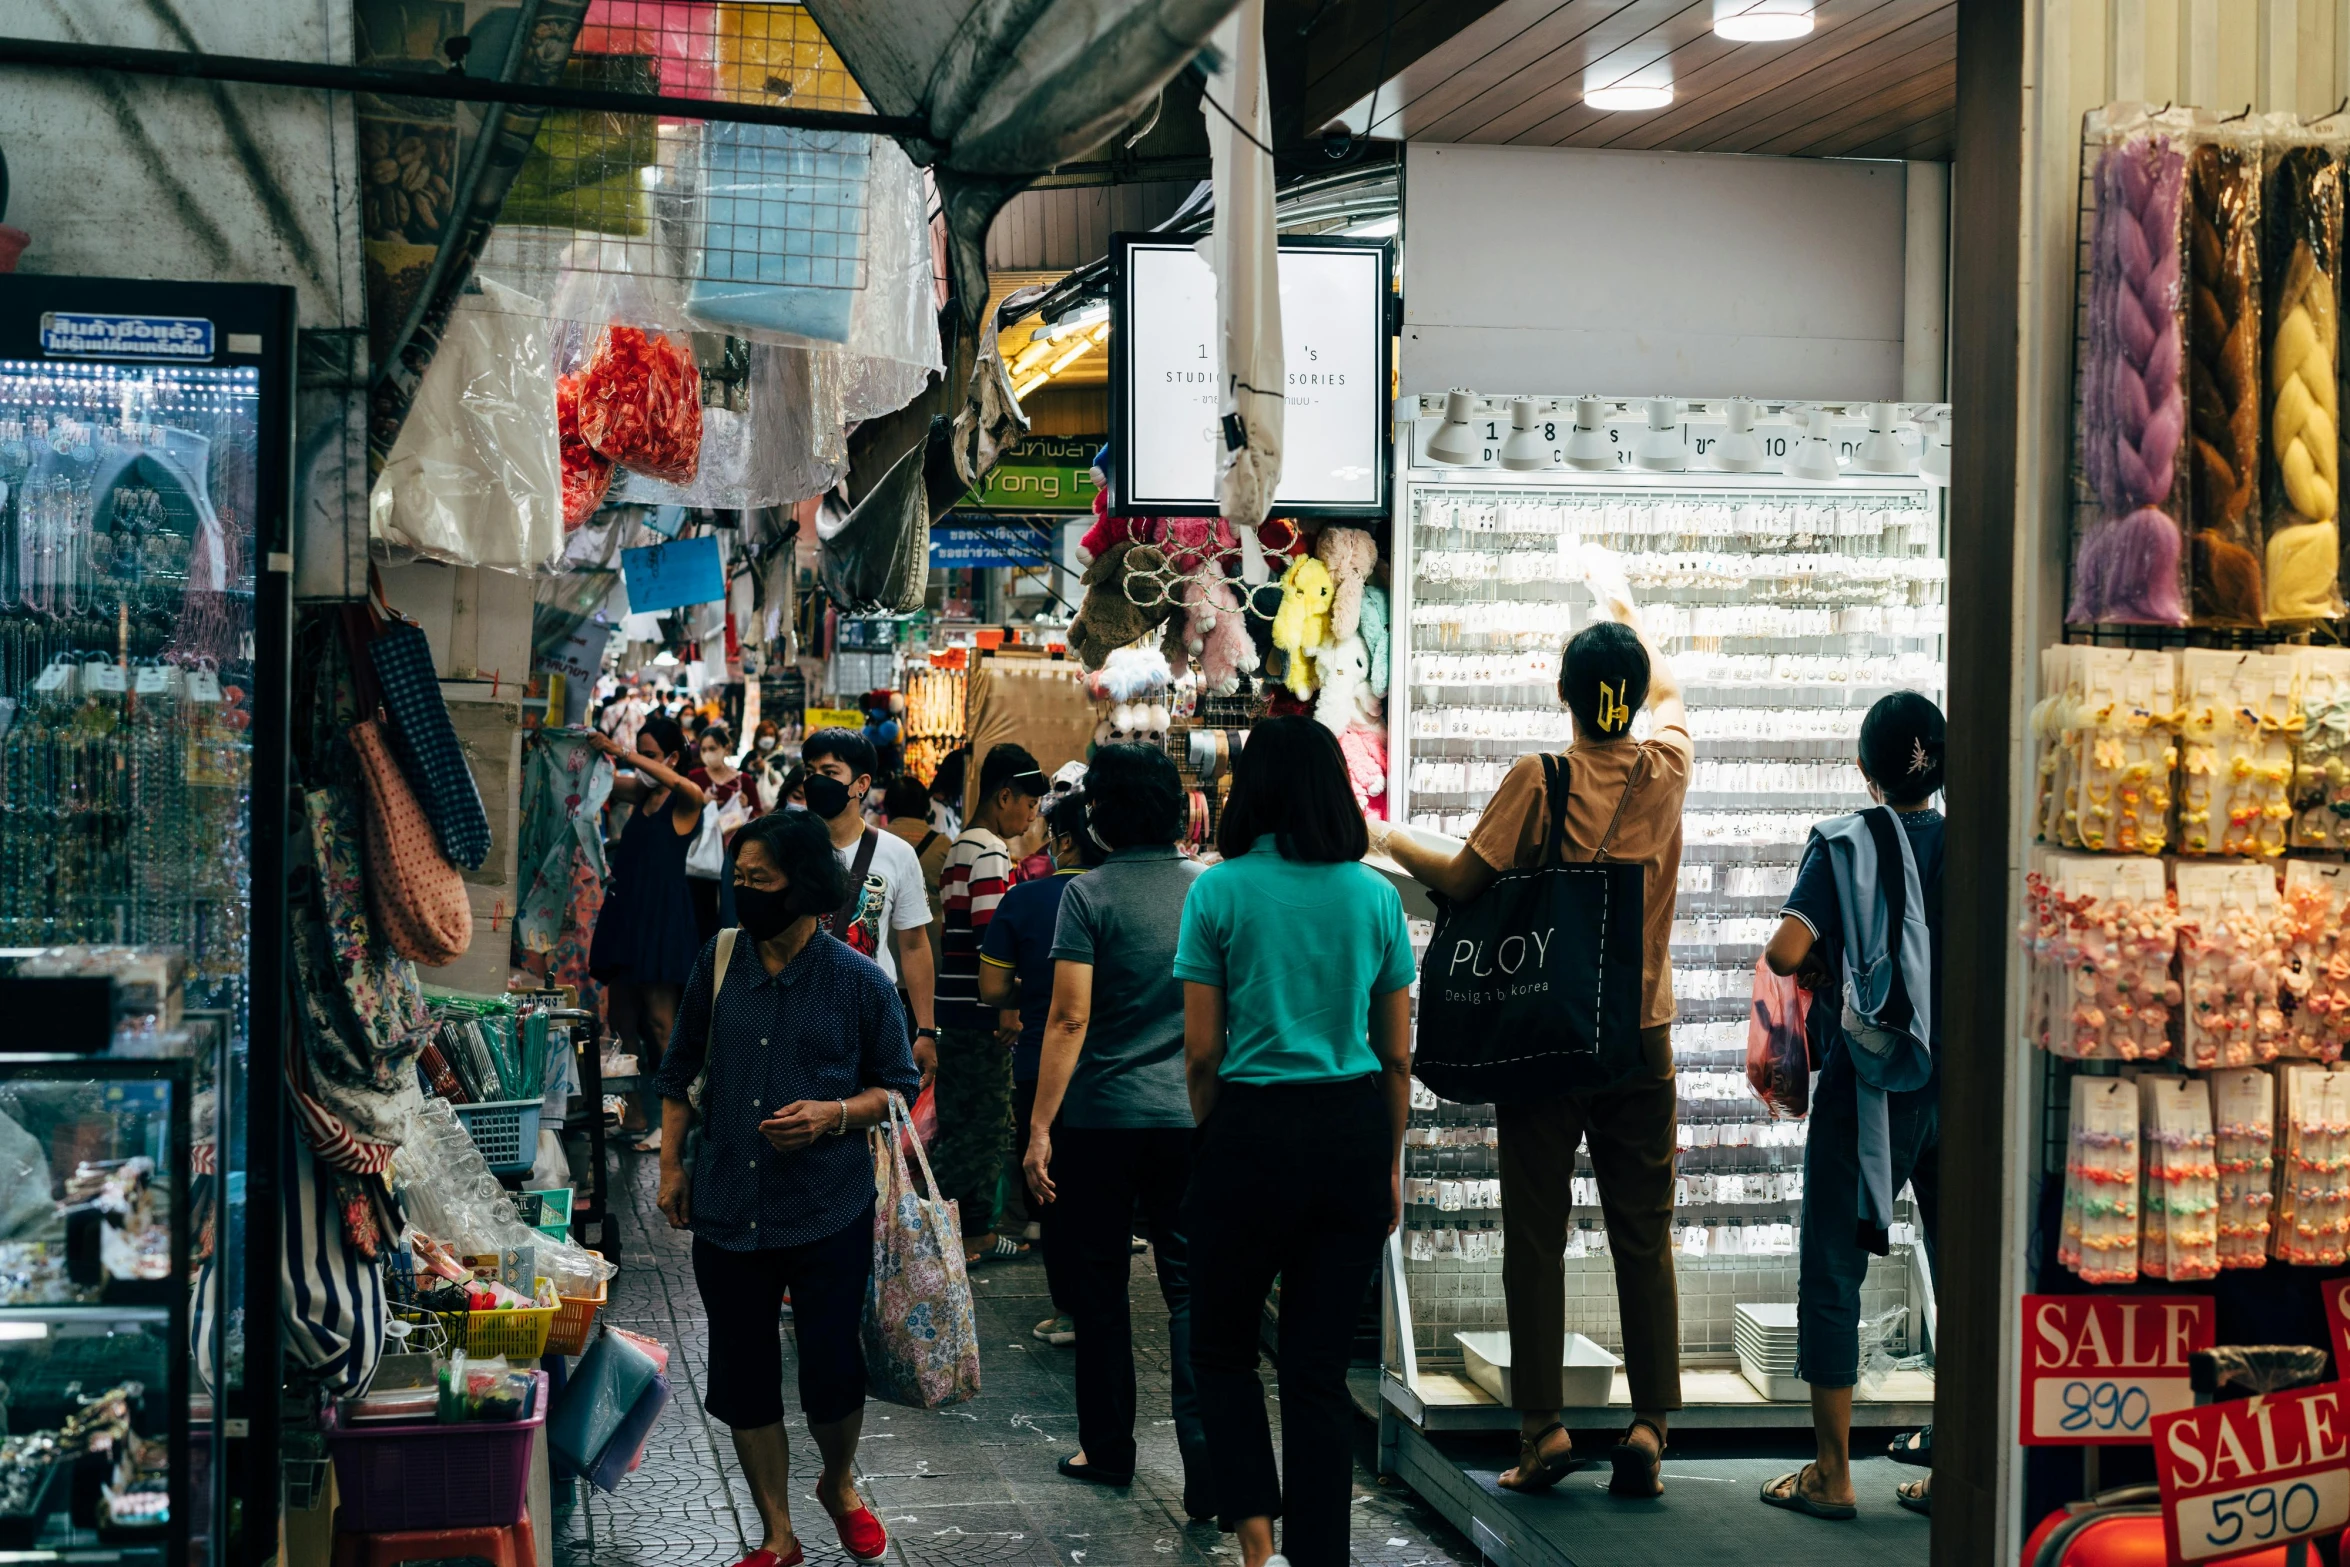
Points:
520	1334
557	1226
506	1131
432	1476
574	1320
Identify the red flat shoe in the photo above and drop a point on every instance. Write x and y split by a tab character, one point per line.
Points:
861	1535
767	1558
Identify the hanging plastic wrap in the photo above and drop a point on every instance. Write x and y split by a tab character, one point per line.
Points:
2301	233
772	431
2223	371
2129	566
472	477
446	1189
893	348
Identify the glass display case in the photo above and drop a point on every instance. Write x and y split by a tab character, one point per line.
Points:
96	1224
146	462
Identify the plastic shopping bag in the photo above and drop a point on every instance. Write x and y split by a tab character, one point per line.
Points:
1778	1054
921	1337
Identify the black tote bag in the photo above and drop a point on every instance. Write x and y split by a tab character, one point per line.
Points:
1533	989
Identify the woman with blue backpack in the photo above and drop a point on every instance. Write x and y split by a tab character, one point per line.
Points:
1863	931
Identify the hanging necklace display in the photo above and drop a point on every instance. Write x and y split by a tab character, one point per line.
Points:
2100	1227
2243	1107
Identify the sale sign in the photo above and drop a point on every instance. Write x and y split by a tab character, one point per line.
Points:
2338	1324
2253	1473
2098	1369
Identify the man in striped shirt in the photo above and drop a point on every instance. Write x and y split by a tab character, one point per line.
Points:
974	1044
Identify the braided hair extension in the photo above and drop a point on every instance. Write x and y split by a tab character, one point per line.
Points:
2134	411
2301	215
2223	378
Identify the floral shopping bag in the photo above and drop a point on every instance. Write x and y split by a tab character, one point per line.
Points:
921	1336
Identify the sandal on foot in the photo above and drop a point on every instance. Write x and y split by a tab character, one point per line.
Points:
1916	1496
1787	1492
1534	1471
861	1535
1638	1473
1005	1249
1913	1447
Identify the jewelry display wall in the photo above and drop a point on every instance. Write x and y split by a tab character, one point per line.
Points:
1786	610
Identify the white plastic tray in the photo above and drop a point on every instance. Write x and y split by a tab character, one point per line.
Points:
1588	1376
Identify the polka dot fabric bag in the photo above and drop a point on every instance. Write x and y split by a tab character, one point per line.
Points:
416	894
921	1338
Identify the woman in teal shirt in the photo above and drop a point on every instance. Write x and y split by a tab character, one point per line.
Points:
1296	970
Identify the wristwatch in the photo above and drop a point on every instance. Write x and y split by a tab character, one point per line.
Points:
932	1032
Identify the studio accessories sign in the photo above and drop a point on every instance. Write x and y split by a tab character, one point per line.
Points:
2246	1475
2098	1370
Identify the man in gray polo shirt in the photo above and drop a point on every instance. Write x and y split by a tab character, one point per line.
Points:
1112	1126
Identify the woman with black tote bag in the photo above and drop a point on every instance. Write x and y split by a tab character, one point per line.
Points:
1547	990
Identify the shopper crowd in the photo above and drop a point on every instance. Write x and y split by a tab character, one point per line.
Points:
1118	1041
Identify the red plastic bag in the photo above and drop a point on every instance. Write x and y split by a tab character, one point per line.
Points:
640	403
586	476
925	1118
1778	1050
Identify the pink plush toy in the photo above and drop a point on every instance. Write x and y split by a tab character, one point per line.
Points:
1365	748
1195	544
1350	553
1218	633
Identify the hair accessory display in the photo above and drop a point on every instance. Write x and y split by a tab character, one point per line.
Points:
2244	1106
2223	375
2236	752
2301	219
2180	1240
2133	402
2107	741
2233	934
2100	935
2310	1224
2100	1227
2321	777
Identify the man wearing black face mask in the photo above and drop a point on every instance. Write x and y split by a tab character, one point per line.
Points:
886	912
795	1043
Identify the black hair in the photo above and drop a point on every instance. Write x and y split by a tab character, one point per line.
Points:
1290	780
800	846
850	745
1066	816
718	732
1901	743
665	733
905	796
1134	796
947	782
1604	680
1007	766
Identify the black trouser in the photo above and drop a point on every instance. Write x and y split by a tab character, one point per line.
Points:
1099	1175
1023	1107
742	1299
1292	1182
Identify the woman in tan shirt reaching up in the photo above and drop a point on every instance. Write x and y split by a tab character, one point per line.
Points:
1624	797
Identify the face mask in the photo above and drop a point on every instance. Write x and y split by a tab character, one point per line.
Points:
767	742
713	758
827	797
763	914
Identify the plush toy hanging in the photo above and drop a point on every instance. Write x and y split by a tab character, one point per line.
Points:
2303	222
640	403
2134	410
1302	625
2223	379
1373	630
1350	553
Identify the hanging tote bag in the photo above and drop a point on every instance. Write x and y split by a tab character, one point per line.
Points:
706	856
1533	989
417	896
921	1338
426	743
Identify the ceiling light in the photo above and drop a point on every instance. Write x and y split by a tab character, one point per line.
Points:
1661	449
1934	462
1762	21
1455	442
1739	450
1882	451
1527	447
1628	97
1588	447
1814	457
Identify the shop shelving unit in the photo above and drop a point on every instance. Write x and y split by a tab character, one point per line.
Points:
1787	607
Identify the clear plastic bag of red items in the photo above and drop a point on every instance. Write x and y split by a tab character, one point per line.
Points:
640	403
586	476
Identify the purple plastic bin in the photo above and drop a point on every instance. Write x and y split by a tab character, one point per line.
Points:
433	1476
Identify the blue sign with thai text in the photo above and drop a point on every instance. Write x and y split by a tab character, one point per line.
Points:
963	545
75	334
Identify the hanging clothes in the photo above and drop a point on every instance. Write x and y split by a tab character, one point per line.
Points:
565	782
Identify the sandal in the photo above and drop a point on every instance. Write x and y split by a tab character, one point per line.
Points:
1913	1447
1638	1472
1005	1249
1535	1472
1917	1496
1787	1492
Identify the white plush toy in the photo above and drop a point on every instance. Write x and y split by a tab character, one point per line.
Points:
1345	698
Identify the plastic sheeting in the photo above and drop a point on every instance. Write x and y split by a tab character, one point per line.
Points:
474	478
878	562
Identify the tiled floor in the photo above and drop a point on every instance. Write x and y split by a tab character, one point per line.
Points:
959	1488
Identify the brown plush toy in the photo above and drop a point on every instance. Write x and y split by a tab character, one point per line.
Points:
1108	619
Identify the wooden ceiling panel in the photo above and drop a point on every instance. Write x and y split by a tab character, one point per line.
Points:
1875	78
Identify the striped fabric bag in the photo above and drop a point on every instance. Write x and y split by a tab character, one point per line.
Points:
921	1335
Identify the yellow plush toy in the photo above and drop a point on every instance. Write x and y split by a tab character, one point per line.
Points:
1302	624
